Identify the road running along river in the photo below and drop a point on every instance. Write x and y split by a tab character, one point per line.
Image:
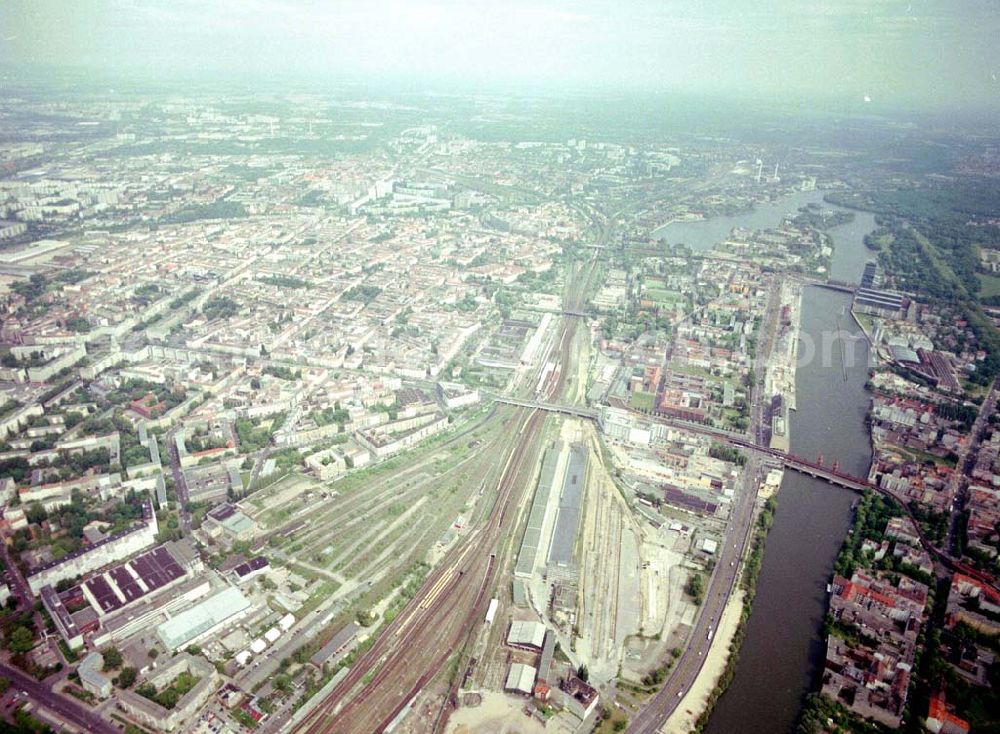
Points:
783	651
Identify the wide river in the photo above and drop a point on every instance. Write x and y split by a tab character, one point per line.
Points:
783	651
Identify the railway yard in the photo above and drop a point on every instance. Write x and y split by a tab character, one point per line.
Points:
543	538
516	516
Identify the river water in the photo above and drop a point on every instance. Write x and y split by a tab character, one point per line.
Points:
783	651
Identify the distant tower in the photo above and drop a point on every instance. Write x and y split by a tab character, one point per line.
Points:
760	167
776	179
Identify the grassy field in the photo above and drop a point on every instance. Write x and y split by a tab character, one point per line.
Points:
642	400
657	295
989	285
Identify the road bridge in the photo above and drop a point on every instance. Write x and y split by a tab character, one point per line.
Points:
571	410
833	285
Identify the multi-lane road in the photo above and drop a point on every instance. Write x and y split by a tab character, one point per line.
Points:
64	708
720	586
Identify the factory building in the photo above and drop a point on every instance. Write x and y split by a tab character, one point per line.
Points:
204	619
883	303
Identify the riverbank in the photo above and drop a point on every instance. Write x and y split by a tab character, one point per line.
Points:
785	622
685	717
864	329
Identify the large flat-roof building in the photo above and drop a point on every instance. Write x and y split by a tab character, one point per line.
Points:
570	505
532	539
882	303
204	618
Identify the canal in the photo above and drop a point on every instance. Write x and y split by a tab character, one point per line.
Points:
783	650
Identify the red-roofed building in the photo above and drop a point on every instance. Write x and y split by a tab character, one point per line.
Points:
147	406
941	721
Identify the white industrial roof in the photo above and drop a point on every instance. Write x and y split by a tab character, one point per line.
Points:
194	621
521	678
530	634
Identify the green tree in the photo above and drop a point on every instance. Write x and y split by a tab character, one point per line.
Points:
127	677
112	658
695	587
20	639
35	513
366	618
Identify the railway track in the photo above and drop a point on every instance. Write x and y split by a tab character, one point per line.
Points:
412	649
427	631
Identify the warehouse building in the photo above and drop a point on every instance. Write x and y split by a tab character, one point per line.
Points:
570	505
526	557
204	619
527	635
520	679
337	648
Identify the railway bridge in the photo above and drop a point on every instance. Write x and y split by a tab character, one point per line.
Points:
790	461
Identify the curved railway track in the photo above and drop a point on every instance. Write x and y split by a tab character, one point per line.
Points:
414	647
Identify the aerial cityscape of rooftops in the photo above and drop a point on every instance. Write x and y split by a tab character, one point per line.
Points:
428	404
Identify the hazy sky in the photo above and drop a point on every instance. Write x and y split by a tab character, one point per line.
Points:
896	51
